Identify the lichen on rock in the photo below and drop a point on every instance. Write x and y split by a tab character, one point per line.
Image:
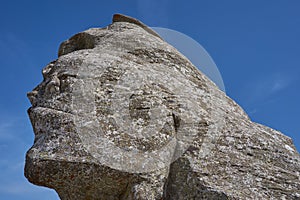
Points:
121	114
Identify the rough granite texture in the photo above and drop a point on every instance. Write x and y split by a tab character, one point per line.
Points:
121	114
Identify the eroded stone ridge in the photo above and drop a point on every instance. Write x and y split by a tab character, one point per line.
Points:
121	114
124	18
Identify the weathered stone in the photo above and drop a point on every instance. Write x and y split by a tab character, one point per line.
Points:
121	114
124	18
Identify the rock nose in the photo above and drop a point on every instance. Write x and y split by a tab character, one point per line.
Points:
32	96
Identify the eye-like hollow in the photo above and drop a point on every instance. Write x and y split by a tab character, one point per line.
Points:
65	81
53	85
48	69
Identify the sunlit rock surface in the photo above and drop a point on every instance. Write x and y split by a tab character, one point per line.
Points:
123	115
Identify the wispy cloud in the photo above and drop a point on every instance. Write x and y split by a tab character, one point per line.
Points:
12	128
15	139
5	130
154	12
22	188
263	89
16	52
279	85
13	184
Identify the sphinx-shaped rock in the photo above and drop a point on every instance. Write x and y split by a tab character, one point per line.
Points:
121	114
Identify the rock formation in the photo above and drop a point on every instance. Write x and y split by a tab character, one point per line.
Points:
121	114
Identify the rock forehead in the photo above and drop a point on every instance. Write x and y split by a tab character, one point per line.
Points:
93	37
123	115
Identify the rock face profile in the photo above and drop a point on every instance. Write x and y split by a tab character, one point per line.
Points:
121	114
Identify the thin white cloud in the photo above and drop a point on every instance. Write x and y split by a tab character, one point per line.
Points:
18	166
265	88
279	85
10	128
154	12
13	183
21	187
12	46
13	145
5	130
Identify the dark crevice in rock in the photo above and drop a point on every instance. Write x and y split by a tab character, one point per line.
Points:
176	120
77	42
177	188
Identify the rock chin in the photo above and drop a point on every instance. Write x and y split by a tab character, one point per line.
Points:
121	114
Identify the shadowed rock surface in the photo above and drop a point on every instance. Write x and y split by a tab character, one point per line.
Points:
121	114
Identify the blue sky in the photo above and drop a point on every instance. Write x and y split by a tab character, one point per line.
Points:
255	44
